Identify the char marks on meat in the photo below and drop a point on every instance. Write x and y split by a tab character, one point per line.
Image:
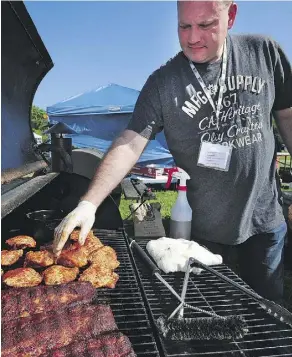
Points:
105	256
74	256
21	242
43	258
57	275
23	302
36	335
100	276
9	257
91	244
112	344
22	277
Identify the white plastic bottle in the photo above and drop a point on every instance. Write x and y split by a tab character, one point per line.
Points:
181	212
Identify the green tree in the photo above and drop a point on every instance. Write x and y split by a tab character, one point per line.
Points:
39	118
39	121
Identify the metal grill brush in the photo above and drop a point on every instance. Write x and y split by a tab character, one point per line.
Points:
276	310
213	327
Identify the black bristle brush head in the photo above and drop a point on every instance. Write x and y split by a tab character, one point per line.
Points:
202	328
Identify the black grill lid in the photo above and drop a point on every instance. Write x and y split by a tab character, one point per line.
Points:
25	61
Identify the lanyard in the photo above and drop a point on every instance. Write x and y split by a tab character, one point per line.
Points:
221	83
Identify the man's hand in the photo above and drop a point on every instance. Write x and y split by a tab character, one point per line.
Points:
118	161
82	216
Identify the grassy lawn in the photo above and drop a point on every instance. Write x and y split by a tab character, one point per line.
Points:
167	199
287	189
284	161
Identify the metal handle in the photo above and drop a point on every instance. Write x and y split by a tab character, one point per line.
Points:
272	308
148	263
180	308
279	312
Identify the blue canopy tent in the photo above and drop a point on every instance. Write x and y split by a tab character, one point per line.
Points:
100	115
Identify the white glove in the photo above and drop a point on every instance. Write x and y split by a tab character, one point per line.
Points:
82	216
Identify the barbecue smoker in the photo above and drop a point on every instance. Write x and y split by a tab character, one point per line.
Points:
37	193
42	183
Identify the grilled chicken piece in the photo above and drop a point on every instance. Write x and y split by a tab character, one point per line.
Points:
22	277
58	274
105	256
91	244
44	258
99	276
21	242
74	256
75	235
9	257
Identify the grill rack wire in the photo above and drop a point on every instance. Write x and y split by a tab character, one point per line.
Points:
126	299
267	336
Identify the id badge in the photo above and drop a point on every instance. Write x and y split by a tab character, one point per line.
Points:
215	156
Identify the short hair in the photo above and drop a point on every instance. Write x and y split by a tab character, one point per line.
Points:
225	3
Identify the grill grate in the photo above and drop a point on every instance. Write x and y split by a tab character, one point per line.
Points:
267	336
125	300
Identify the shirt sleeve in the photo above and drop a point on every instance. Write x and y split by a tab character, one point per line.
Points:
147	117
283	81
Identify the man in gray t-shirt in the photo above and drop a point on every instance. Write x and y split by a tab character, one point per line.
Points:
245	192
215	102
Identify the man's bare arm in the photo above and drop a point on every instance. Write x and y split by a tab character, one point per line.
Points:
284	123
121	157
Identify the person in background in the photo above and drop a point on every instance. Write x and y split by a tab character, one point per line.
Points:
215	101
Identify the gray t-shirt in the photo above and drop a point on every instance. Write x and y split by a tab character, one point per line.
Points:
228	207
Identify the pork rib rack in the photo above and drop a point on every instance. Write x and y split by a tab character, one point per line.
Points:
113	344
20	302
36	335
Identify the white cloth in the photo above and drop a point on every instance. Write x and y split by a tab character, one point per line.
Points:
172	255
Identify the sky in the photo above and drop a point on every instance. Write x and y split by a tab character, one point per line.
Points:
97	43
